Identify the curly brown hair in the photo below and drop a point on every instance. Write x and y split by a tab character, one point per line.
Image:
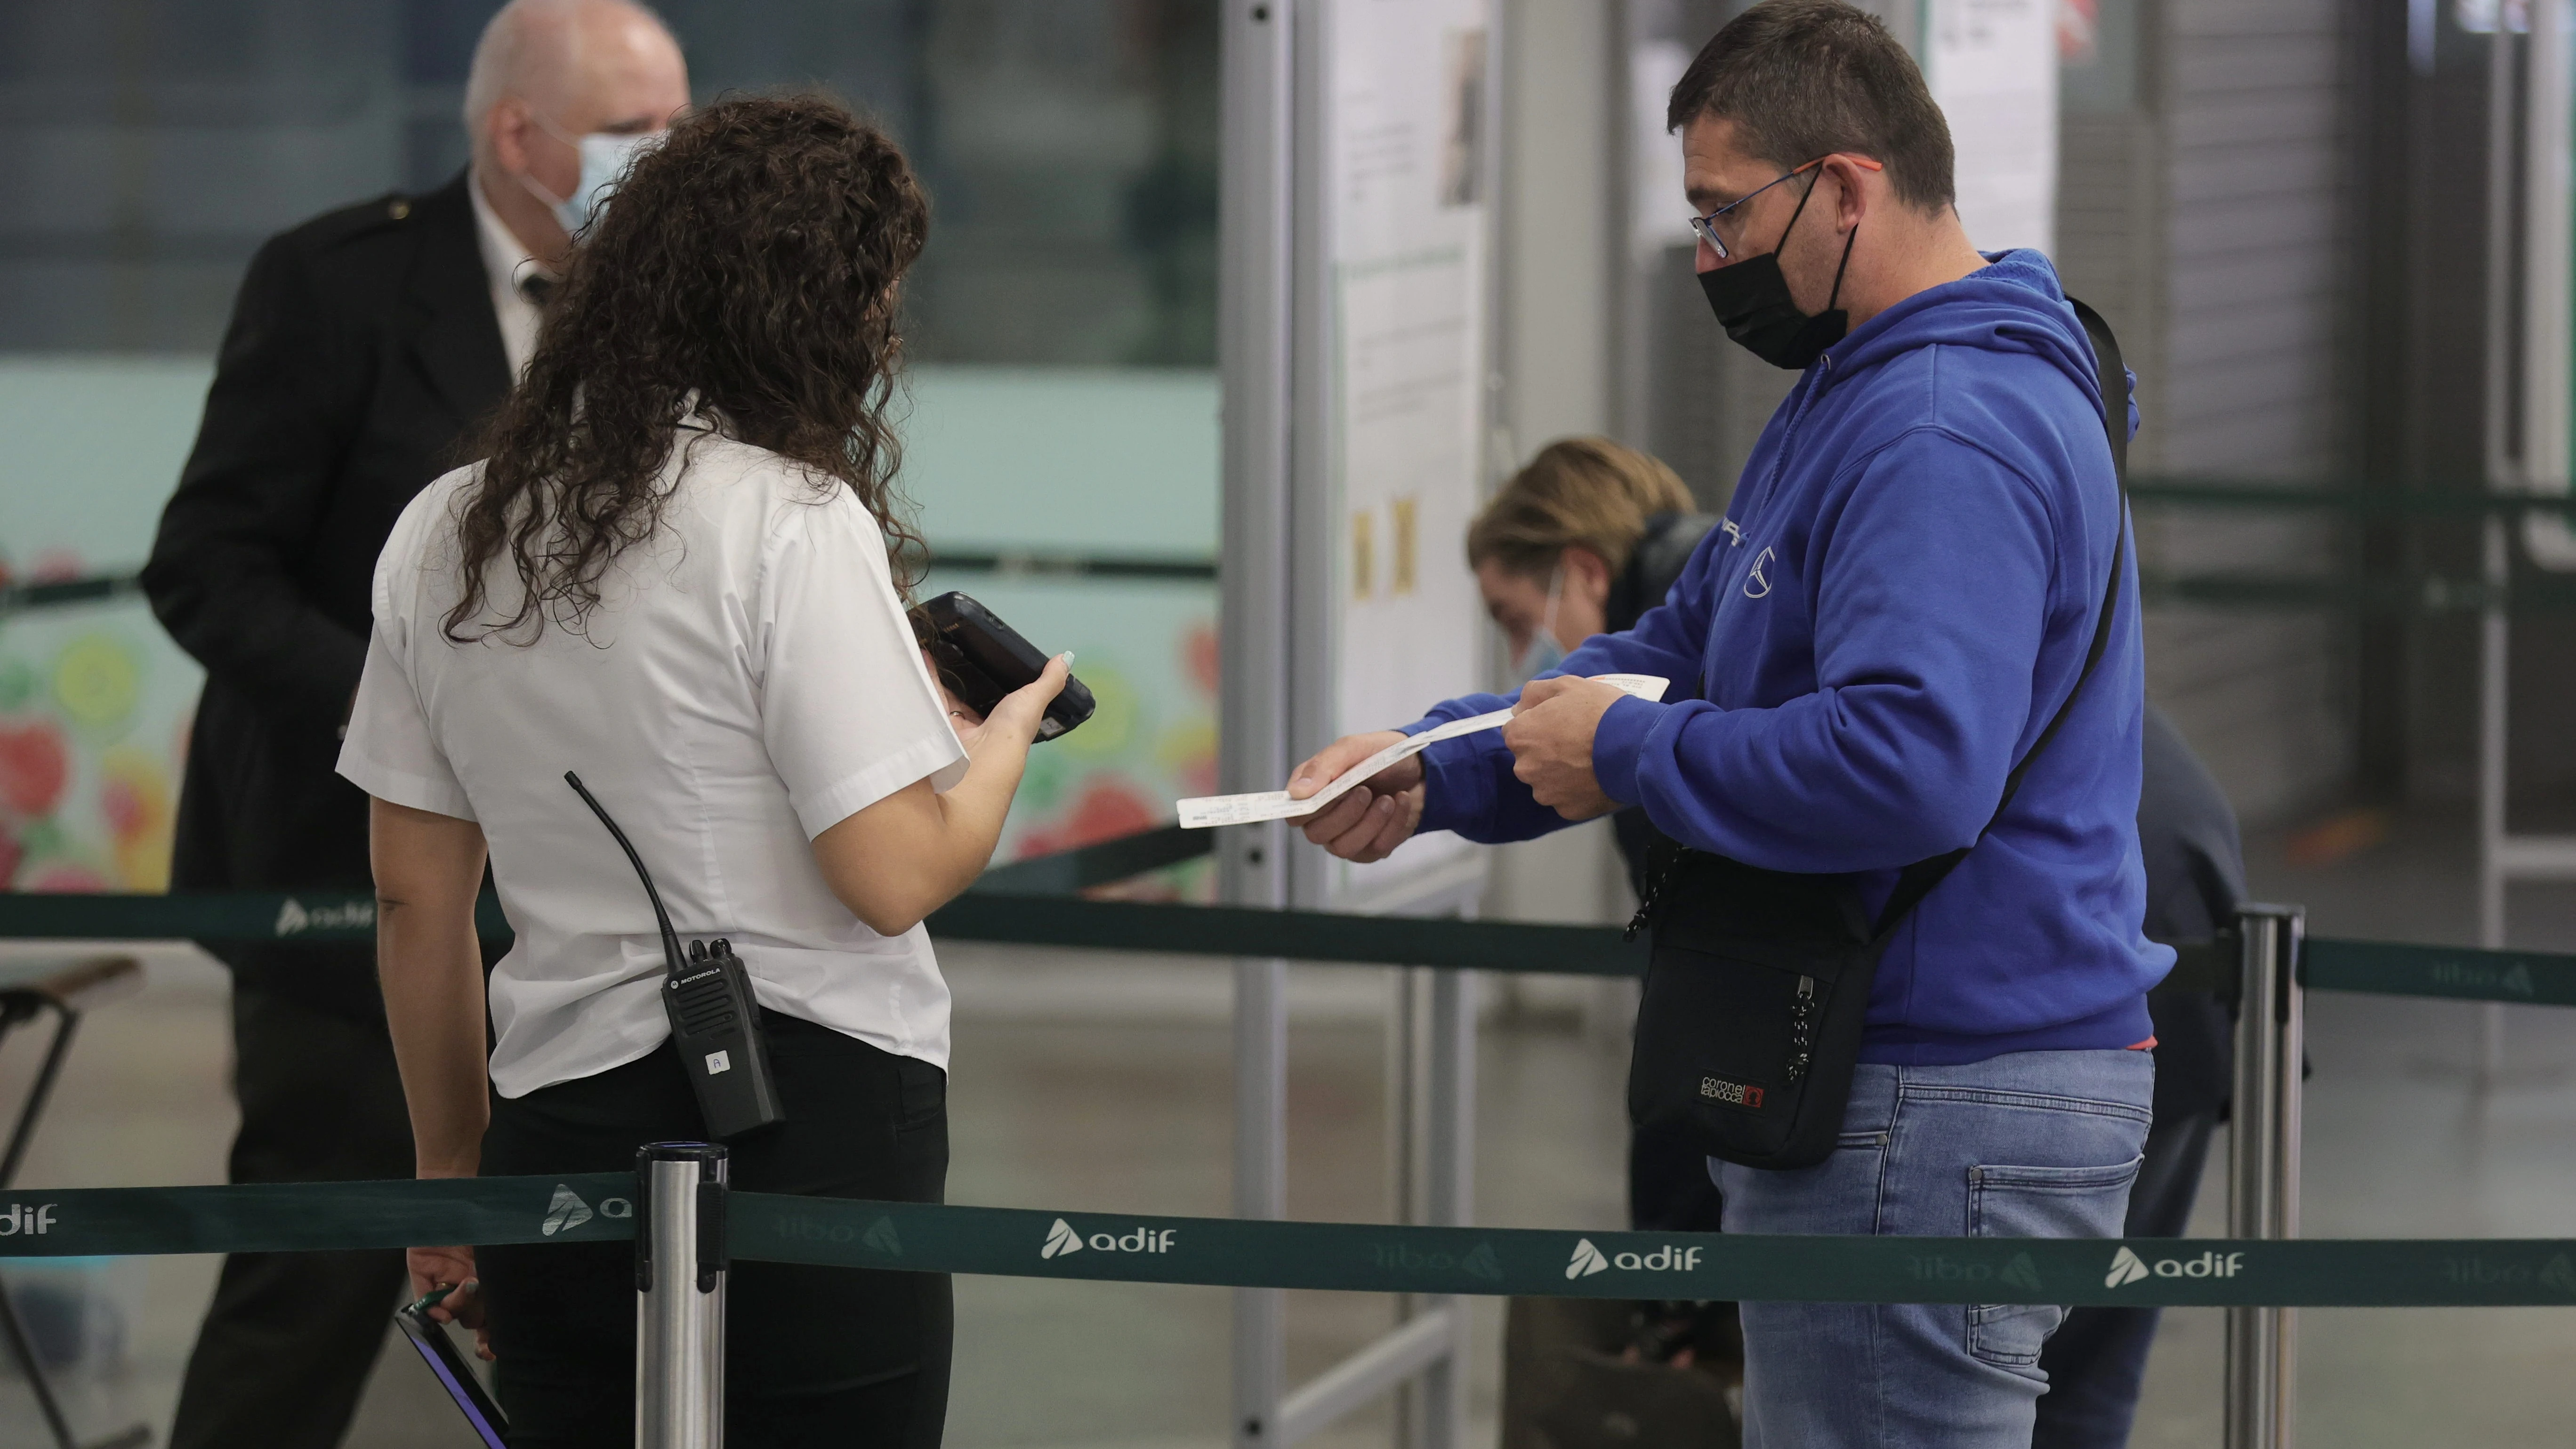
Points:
748	262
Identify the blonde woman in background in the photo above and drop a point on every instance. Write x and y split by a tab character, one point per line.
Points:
1582	541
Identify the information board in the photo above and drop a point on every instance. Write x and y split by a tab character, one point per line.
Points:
1992	65
1405	172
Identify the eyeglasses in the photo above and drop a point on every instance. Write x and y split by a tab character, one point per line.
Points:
1705	227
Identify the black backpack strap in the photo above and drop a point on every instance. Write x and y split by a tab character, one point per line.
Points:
2114	376
1918	879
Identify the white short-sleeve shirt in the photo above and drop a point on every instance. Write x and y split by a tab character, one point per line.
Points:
747	681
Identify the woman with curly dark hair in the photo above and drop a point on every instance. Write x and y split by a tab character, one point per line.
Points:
681	571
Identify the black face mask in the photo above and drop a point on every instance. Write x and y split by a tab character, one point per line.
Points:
1752	302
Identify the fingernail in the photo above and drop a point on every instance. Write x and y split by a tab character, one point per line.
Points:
1067	657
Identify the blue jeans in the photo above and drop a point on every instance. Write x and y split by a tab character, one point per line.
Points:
2027	1145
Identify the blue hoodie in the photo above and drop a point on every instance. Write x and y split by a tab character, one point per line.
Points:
1897	602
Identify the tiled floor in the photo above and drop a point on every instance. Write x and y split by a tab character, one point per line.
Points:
1102	1084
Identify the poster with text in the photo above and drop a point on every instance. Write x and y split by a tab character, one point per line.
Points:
1992	65
1406	172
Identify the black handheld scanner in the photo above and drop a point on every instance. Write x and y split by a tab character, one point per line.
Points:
980	659
715	1022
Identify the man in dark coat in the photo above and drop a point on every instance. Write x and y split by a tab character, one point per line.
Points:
2096	1362
365	348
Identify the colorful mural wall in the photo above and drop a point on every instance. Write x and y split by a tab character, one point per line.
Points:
95	700
1149	654
94	710
95	703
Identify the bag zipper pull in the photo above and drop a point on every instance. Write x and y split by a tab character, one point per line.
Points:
1802	1028
1655	882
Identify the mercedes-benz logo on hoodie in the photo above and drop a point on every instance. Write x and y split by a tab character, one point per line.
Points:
1757	580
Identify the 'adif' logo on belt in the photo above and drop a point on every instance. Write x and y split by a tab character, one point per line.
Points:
2127	1267
22	1219
1666	1258
1062	1239
294	920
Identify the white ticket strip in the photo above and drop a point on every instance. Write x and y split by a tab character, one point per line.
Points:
1210	810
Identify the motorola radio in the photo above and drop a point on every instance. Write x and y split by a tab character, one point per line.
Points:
715	1022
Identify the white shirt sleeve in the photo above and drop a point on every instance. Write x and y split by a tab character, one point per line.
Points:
391	752
847	709
389	749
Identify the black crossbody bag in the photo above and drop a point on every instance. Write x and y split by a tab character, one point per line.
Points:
1758	982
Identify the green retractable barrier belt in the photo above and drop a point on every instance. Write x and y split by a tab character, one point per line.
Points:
1300	935
1357	1257
2394	968
207	916
2390	968
200	916
311	1216
1365	1258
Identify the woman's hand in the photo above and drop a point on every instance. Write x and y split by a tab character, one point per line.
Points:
453	1269
965	721
1019	712
913	851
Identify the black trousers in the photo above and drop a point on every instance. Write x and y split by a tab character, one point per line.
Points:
2096	1362
813	1356
290	1339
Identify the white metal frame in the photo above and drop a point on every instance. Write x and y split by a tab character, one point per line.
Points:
1255	320
2527	359
1276	572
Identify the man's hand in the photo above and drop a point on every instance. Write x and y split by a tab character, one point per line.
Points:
1368	823
1550	738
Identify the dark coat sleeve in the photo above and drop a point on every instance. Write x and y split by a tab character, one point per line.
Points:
2187	833
2195	879
288	392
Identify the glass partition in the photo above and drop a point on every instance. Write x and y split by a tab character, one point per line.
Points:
1062	407
1087	500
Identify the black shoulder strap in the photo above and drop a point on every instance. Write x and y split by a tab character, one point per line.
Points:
1919	878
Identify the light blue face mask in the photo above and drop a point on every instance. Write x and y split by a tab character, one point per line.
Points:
605	155
1543	653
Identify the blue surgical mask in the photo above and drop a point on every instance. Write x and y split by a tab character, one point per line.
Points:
1543	653
605	155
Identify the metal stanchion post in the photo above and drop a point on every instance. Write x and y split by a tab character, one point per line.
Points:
2263	1167
1448	1194
680	1296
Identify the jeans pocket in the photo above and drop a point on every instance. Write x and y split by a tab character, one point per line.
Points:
2038	1202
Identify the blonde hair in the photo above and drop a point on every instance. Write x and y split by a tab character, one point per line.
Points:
1578	492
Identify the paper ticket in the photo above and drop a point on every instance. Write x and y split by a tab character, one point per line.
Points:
1213	810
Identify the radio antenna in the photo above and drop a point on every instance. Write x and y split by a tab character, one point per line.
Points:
671	956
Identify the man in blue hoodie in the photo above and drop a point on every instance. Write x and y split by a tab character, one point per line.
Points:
1900	599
